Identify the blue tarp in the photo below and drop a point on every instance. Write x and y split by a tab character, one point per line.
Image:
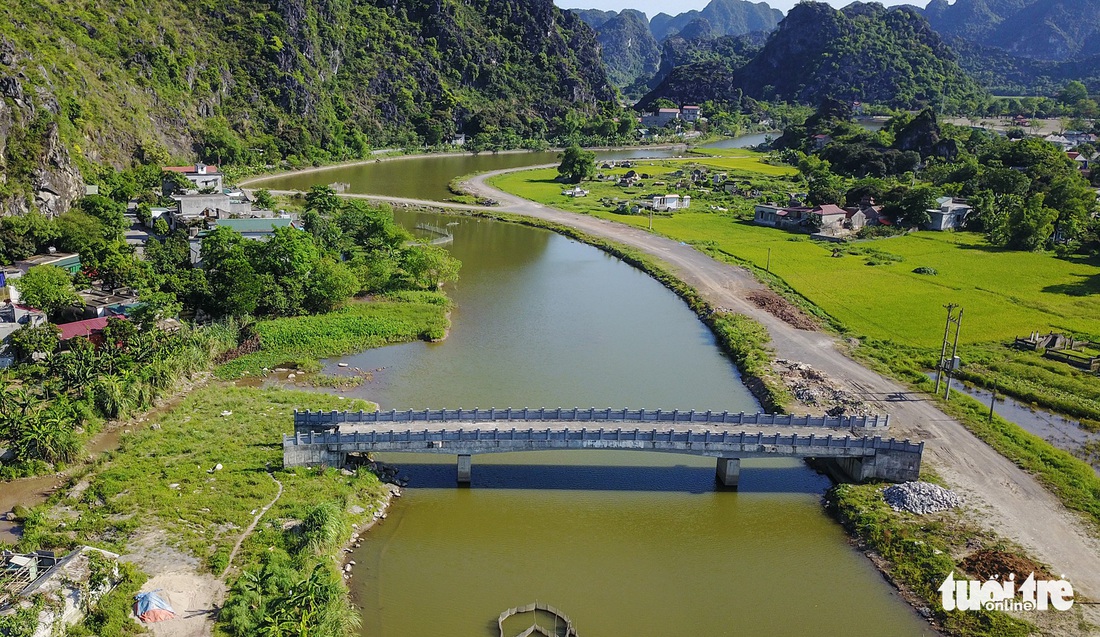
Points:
151	607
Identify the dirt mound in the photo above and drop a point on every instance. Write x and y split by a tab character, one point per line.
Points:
816	392
989	563
782	309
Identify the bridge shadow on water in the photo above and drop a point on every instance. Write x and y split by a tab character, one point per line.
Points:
680	478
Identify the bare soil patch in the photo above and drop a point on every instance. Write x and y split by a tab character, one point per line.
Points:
989	563
782	309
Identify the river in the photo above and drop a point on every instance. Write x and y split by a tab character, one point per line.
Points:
625	543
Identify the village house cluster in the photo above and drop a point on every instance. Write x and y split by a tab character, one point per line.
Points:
207	203
833	222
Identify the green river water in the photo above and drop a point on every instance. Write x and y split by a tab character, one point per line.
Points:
625	543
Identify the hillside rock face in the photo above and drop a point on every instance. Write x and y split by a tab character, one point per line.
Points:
256	81
726	17
627	48
864	52
1055	30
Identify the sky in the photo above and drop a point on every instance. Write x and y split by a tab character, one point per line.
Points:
672	7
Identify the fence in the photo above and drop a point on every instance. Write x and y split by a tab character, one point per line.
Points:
508	440
570	630
307	420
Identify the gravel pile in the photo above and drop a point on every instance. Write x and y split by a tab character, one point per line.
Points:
920	498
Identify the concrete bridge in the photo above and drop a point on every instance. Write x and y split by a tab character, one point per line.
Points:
851	444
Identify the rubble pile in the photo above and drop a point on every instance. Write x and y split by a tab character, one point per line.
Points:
813	389
920	498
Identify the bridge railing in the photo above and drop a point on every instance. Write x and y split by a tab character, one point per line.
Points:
444	438
306	420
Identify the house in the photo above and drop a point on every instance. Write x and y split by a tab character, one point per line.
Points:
192	207
1059	140
1078	137
827	219
255	229
1081	160
668	203
690	113
820	141
459	140
663	117
768	215
13	317
67	261
203	177
7	287
950	214
102	303
855	219
91	329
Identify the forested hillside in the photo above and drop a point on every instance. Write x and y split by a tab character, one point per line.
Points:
90	82
1023	46
726	17
628	49
863	52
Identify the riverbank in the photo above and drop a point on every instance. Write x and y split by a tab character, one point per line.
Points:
1010	499
176	498
275	174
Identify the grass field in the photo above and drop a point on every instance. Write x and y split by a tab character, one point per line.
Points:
301	340
1004	293
205	512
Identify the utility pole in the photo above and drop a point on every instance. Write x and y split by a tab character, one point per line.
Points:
768	268
954	354
992	399
944	364
943	351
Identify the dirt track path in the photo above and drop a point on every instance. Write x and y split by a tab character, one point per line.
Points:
1009	500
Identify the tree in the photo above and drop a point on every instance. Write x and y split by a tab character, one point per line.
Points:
912	209
322	199
28	341
48	288
577	164
427	267
330	284
1073	92
154	307
109	212
264	199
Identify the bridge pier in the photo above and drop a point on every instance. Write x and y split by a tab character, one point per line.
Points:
464	468
728	471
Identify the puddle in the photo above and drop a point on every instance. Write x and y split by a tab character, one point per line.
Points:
1059	430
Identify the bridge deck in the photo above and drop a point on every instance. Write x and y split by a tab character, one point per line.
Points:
680	438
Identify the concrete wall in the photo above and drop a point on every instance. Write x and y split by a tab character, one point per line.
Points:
305	420
893	466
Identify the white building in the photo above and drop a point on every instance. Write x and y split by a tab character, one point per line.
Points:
668	203
949	215
202	176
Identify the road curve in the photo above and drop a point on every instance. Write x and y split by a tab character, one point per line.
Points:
1007	499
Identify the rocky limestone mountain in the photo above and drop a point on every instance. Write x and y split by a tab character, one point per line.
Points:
864	52
726	17
697	70
257	81
1057	30
627	48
